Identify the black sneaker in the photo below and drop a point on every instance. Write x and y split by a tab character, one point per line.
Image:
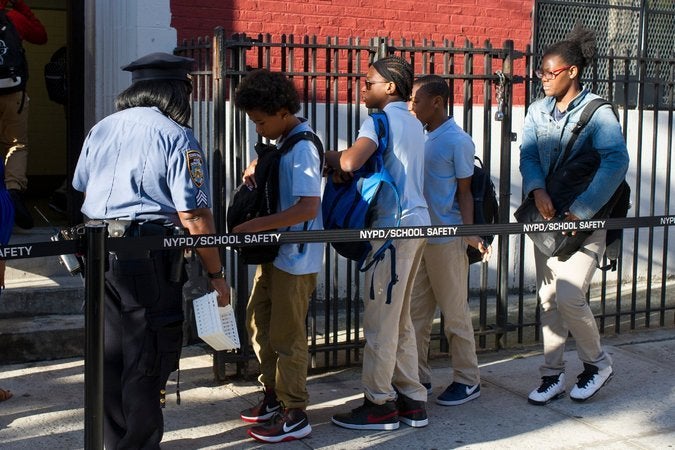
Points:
22	217
552	388
412	412
590	381
428	387
264	410
289	426
369	416
458	394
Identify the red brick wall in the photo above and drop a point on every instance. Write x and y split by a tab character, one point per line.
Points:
455	20
438	20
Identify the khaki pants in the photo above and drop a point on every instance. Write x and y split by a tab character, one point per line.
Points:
14	139
275	315
390	354
562	290
442	280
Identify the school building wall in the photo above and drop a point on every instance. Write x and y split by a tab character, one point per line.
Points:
456	21
410	19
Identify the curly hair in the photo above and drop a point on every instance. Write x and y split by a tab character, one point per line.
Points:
268	92
399	71
578	48
433	85
172	97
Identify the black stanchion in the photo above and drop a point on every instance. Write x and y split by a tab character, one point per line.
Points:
95	258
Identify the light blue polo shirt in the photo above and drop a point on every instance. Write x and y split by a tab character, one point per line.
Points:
448	155
300	176
138	164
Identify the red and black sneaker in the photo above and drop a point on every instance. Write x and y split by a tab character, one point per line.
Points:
412	412
289	426
264	410
369	416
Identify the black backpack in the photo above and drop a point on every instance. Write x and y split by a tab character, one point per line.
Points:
247	204
55	76
13	65
485	205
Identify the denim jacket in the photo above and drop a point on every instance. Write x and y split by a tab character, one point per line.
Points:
544	139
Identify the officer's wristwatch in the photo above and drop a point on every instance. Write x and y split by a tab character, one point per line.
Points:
219	274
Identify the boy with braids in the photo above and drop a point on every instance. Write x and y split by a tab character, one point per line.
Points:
278	304
563	285
391	385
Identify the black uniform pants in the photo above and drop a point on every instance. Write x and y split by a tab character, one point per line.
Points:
143	341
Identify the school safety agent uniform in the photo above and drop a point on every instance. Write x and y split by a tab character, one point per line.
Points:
138	165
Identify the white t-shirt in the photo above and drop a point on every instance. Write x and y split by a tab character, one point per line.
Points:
404	159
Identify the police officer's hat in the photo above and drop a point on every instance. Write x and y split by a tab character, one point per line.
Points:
160	66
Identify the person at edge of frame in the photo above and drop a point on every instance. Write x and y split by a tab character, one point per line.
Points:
15	103
278	304
392	391
443	274
142	171
6	224
562	285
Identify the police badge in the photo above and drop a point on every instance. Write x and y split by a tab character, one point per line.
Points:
194	160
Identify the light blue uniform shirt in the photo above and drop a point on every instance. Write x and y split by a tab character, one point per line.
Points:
138	164
448	155
404	159
300	176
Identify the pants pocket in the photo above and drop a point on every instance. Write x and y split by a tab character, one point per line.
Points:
161	351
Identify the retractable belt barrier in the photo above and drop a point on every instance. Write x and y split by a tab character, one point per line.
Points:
93	245
39	249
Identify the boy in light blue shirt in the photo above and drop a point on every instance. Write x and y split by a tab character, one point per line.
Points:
442	277
278	304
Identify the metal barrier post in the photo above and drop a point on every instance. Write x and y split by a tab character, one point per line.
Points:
93	322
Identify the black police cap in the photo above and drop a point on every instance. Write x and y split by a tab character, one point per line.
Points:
160	66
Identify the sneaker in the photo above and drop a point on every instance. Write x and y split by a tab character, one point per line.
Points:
552	388
264	410
590	381
22	217
369	416
412	412
289	426
458	393
428	387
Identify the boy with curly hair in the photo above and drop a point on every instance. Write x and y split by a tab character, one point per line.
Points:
278	303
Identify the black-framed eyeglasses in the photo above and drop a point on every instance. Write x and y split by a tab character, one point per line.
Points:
548	76
370	84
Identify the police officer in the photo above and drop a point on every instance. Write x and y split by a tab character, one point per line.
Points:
143	172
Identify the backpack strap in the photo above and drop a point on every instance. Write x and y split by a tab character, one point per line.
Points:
288	145
586	115
381	124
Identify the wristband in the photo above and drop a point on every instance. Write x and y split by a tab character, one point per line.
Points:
219	274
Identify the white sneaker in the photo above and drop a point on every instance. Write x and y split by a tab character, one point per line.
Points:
590	381
552	388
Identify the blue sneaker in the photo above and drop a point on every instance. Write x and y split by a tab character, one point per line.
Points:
458	393
428	388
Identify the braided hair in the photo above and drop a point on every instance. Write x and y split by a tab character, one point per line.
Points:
578	48
399	71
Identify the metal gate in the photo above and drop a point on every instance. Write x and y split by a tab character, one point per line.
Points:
328	76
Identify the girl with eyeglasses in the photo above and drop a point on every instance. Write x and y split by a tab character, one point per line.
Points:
562	285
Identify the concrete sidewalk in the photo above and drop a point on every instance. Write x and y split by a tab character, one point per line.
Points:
636	410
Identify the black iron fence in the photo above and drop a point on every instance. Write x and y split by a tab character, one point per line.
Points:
484	81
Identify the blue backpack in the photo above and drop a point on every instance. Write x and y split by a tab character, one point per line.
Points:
370	199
